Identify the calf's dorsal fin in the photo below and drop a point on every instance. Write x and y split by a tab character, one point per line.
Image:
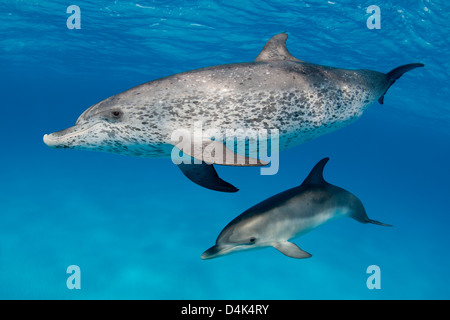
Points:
315	177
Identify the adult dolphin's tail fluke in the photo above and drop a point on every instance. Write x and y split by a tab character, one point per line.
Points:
289	214
396	74
276	91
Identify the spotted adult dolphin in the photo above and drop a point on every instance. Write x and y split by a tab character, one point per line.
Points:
289	214
276	91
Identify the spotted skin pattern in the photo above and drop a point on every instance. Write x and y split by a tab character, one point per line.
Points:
301	100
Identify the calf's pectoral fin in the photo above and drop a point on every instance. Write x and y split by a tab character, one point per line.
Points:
291	250
206	176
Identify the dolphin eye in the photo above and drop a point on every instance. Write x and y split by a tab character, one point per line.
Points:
116	114
252	240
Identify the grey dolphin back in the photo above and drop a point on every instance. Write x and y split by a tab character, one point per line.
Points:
395	74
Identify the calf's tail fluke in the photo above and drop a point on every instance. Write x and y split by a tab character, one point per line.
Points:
379	223
397	73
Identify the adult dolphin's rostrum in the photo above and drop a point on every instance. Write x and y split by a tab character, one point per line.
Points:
275	91
289	214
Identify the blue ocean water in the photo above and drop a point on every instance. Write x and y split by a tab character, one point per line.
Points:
137	227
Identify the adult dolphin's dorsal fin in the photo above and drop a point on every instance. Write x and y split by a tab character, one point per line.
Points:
276	50
315	177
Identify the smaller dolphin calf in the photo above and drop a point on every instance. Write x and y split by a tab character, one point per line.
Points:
287	215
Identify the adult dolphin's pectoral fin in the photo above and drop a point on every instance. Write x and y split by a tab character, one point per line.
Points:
206	176
215	152
228	157
291	250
